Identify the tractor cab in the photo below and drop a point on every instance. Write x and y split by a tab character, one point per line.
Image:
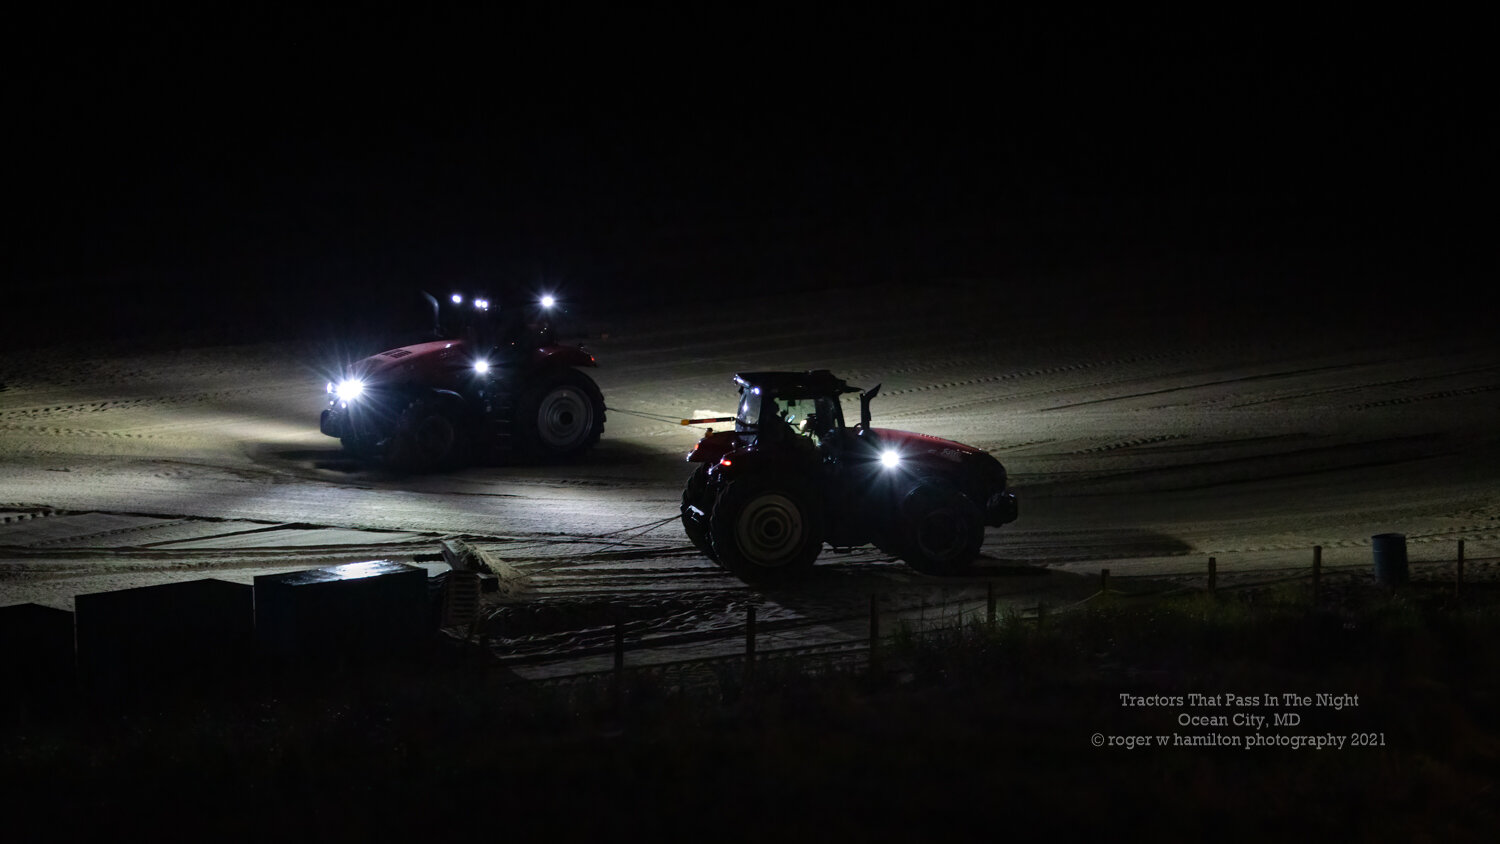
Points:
778	406
789	415
489	325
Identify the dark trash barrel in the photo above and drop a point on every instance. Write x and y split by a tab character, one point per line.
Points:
356	613
1390	557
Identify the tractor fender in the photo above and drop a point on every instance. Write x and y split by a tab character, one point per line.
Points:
712	448
446	399
751	460
553	355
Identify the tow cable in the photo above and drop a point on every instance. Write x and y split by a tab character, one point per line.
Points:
669	420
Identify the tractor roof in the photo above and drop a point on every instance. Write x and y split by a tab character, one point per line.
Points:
794	385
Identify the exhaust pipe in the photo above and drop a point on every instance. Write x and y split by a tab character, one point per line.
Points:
864	406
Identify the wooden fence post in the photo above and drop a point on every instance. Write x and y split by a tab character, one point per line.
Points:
1103	580
749	644
1213	575
619	646
619	673
1317	573
1458	573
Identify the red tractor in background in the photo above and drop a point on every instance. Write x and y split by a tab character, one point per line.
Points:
495	382
792	476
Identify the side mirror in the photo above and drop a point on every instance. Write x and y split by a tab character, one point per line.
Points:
864	406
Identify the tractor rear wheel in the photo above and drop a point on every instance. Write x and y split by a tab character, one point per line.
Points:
694	494
937	529
560	415
766	530
427	438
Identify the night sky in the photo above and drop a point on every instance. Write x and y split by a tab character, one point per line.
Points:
261	164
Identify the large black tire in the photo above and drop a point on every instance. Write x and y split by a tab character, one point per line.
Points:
428	437
560	415
695	494
936	529
766	530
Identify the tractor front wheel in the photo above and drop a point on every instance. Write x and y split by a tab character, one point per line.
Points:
766	530
937	529
427	438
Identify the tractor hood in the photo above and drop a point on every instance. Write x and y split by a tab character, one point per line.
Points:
920	449
909	443
716	445
440	362
419	360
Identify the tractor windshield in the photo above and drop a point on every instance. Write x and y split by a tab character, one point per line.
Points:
811	417
749	413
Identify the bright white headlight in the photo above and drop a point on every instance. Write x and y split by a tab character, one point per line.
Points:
548	301
482	367
350	389
890	459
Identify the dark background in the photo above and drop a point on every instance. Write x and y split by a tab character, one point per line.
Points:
251	175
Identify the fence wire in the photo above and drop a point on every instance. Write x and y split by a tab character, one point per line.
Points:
890	620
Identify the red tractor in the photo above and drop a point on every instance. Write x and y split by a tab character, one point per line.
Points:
792	476
496	382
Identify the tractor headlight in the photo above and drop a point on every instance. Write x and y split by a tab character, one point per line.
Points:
548	301
889	459
482	367
349	389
